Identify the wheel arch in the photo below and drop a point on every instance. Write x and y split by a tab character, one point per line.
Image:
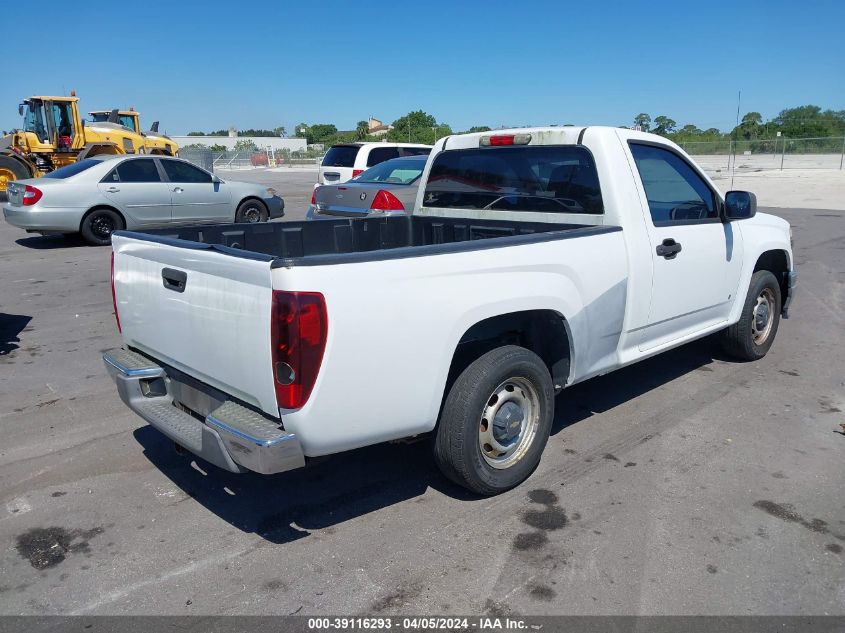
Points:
251	197
776	261
91	149
23	162
98	207
545	332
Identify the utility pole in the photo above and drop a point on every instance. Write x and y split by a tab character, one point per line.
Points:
842	156
782	152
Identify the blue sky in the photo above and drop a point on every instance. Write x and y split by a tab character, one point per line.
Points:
211	64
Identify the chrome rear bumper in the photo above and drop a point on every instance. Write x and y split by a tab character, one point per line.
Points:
229	435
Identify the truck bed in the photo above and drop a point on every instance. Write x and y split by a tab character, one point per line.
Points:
344	240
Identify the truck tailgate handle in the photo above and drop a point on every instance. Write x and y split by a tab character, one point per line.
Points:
174	279
669	248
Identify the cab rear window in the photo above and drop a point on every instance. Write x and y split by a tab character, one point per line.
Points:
544	178
341	156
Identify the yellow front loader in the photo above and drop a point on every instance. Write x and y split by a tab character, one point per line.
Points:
155	142
54	135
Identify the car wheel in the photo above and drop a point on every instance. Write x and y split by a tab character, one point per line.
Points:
496	421
251	211
98	226
751	337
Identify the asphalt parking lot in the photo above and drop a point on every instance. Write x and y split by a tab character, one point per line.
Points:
686	484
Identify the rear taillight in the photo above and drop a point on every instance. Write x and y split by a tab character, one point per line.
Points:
314	196
298	330
113	295
31	195
357	172
386	201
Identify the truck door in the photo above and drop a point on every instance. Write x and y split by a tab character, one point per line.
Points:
696	257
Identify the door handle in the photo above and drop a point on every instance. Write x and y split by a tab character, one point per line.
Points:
178	190
112	190
174	280
669	248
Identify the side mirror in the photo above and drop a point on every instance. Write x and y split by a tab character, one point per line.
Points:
215	179
20	109
740	205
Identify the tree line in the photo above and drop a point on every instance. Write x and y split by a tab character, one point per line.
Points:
420	127
808	121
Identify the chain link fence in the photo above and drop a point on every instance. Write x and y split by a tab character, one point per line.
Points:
766	154
713	156
250	159
201	157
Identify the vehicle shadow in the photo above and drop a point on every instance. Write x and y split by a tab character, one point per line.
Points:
11	325
603	393
289	506
286	507
50	242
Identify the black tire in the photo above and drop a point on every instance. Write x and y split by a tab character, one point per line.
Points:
98	226
458	440
252	211
749	338
11	169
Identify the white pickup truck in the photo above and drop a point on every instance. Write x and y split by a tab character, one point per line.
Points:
535	259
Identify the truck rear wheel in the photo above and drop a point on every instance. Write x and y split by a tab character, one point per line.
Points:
751	337
11	170
496	421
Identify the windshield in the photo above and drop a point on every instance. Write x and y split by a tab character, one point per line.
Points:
125	120
341	156
73	169
33	120
549	178
402	171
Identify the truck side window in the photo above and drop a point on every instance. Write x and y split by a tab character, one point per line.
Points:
543	178
675	192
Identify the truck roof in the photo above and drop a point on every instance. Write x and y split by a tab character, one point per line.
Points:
53	98
552	135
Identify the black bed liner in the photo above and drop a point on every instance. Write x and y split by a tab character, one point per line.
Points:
321	242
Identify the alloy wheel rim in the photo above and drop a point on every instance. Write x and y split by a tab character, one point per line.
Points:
102	226
252	215
763	316
509	422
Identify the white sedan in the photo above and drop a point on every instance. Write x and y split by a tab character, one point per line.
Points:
100	195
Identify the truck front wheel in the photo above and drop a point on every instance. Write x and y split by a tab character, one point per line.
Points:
751	337
11	170
496	421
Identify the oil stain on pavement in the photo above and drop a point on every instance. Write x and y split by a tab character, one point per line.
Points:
47	547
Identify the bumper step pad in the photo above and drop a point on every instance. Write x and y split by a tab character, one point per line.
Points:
232	437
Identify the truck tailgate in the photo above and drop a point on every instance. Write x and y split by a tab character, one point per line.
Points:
199	310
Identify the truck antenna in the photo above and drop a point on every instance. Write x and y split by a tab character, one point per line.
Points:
736	137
